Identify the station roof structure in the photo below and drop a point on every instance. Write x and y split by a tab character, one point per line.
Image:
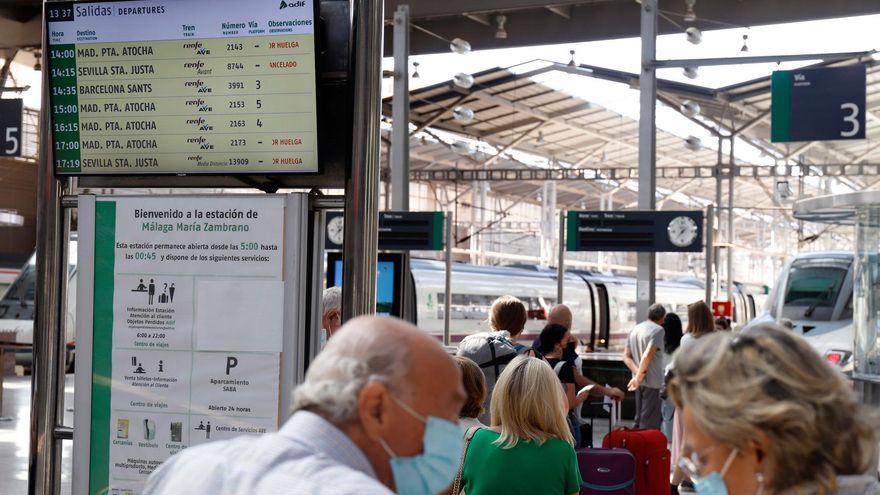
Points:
539	22
529	22
574	139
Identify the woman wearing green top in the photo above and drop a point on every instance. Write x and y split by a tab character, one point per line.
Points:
529	448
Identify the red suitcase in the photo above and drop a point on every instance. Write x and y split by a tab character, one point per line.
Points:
652	457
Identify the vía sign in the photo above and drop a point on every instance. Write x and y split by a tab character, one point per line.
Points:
818	104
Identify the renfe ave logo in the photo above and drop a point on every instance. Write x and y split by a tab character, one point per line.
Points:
292	5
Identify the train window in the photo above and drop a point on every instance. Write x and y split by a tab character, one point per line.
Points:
813	288
847	313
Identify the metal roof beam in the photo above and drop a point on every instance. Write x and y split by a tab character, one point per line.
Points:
800	149
513	143
867	153
762	59
704	172
577	127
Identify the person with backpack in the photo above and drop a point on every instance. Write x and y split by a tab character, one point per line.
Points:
493	350
554	340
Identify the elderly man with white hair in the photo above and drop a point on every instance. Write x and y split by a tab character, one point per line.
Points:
331	313
376	415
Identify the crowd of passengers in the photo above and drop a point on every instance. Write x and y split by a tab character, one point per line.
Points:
385	409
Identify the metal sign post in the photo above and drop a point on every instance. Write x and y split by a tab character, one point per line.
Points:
647	261
560	264
447	303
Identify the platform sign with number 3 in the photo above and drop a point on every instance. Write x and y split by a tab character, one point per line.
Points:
10	127
820	104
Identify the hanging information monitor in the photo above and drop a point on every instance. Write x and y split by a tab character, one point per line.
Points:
182	87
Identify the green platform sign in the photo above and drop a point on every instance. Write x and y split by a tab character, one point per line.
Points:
818	104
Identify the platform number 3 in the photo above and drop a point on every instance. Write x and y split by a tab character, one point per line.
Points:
852	118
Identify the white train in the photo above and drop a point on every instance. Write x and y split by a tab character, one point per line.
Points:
17	310
814	292
603	306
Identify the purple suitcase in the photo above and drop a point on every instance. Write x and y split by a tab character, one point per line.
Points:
607	471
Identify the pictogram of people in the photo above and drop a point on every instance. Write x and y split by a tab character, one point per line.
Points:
151	291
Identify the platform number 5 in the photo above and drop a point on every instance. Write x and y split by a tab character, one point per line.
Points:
12	141
852	118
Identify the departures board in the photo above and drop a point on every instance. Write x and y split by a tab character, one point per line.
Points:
183	87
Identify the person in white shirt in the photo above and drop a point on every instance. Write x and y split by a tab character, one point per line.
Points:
376	415
644	344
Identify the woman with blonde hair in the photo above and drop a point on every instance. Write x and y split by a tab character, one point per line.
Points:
529	448
700	322
765	414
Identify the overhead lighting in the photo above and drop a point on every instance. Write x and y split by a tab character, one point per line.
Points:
500	33
415	74
460	46
463	114
38	65
540	137
690	72
690	15
694	35
745	47
693	143
463	80
571	62
690	108
462	148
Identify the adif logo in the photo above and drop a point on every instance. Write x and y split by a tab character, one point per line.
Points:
292	5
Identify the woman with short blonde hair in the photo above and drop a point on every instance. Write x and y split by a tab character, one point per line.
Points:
529	435
769	415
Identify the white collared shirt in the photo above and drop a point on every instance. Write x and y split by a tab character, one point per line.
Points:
307	456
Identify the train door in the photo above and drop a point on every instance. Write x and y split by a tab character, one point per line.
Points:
601	317
753	310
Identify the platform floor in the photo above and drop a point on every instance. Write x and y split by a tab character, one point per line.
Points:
14	435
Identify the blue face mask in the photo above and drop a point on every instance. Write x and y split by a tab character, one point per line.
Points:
713	484
434	469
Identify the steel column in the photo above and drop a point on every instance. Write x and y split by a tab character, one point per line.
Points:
647	266
447	300
44	469
710	250
716	286
400	112
362	184
732	165
560	264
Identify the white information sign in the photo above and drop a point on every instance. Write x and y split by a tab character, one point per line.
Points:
187	339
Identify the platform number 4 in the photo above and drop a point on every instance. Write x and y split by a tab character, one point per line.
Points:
851	119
